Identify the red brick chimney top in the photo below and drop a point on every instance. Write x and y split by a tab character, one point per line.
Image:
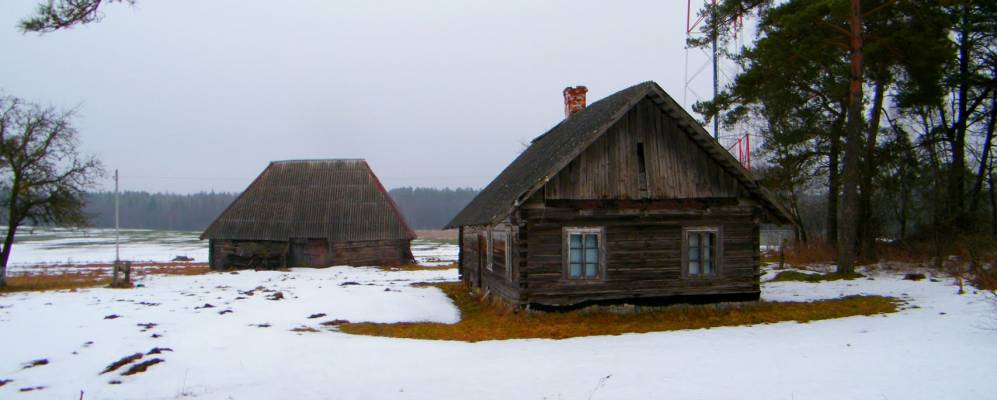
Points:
574	99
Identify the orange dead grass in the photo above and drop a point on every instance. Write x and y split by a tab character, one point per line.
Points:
92	276
64	281
492	320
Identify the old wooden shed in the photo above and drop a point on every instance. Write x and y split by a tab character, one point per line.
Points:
627	200
311	213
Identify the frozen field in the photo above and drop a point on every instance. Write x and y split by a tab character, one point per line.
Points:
940	346
58	246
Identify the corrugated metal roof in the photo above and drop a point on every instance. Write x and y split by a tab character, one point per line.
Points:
340	200
552	151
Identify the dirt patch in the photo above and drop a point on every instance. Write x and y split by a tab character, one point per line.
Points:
317	315
276	296
35	363
112	316
335	322
142	366
5	381
122	362
417	267
300	329
147	326
914	277
31	389
158	350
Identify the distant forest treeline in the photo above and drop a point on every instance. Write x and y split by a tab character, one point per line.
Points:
424	208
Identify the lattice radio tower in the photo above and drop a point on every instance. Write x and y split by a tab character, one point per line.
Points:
738	140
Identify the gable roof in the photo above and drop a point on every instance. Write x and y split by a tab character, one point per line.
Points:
551	152
340	200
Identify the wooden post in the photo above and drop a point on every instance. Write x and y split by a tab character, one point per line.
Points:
115	272
121	276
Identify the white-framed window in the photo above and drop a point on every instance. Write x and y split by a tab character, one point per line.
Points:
584	253
700	256
500	250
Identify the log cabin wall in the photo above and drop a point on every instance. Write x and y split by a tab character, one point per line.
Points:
643	253
490	259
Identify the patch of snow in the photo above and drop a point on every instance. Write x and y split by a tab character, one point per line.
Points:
39	247
940	346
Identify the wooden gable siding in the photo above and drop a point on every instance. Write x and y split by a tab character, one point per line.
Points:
676	167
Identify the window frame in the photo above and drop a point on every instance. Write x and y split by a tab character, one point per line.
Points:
504	237
566	233
717	255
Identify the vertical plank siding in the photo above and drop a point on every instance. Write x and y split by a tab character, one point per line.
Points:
676	166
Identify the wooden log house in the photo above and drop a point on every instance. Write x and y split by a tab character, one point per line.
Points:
311	213
627	200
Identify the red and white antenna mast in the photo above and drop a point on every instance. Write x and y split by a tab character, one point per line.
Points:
742	142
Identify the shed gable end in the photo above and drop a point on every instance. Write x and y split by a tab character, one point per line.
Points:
644	155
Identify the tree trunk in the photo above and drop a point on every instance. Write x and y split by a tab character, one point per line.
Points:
868	233
833	182
13	220
5	253
993	204
981	172
957	186
853	132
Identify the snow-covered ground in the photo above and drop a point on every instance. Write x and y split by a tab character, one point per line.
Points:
941	346
59	246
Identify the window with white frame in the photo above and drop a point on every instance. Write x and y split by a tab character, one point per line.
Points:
499	252
701	252
584	253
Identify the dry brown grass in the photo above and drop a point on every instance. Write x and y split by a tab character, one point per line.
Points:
811	252
94	275
490	320
64	281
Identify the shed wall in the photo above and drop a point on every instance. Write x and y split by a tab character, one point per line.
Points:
307	253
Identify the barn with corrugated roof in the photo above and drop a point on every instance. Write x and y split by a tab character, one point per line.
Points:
311	213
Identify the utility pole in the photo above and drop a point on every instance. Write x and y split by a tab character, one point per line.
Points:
117	252
716	119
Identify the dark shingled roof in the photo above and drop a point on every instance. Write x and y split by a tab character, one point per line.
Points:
340	200
552	151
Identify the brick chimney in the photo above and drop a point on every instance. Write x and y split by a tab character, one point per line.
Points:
574	99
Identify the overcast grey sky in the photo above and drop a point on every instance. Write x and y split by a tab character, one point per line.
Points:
185	95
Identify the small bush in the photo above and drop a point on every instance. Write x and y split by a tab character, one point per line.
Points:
796	276
811	252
